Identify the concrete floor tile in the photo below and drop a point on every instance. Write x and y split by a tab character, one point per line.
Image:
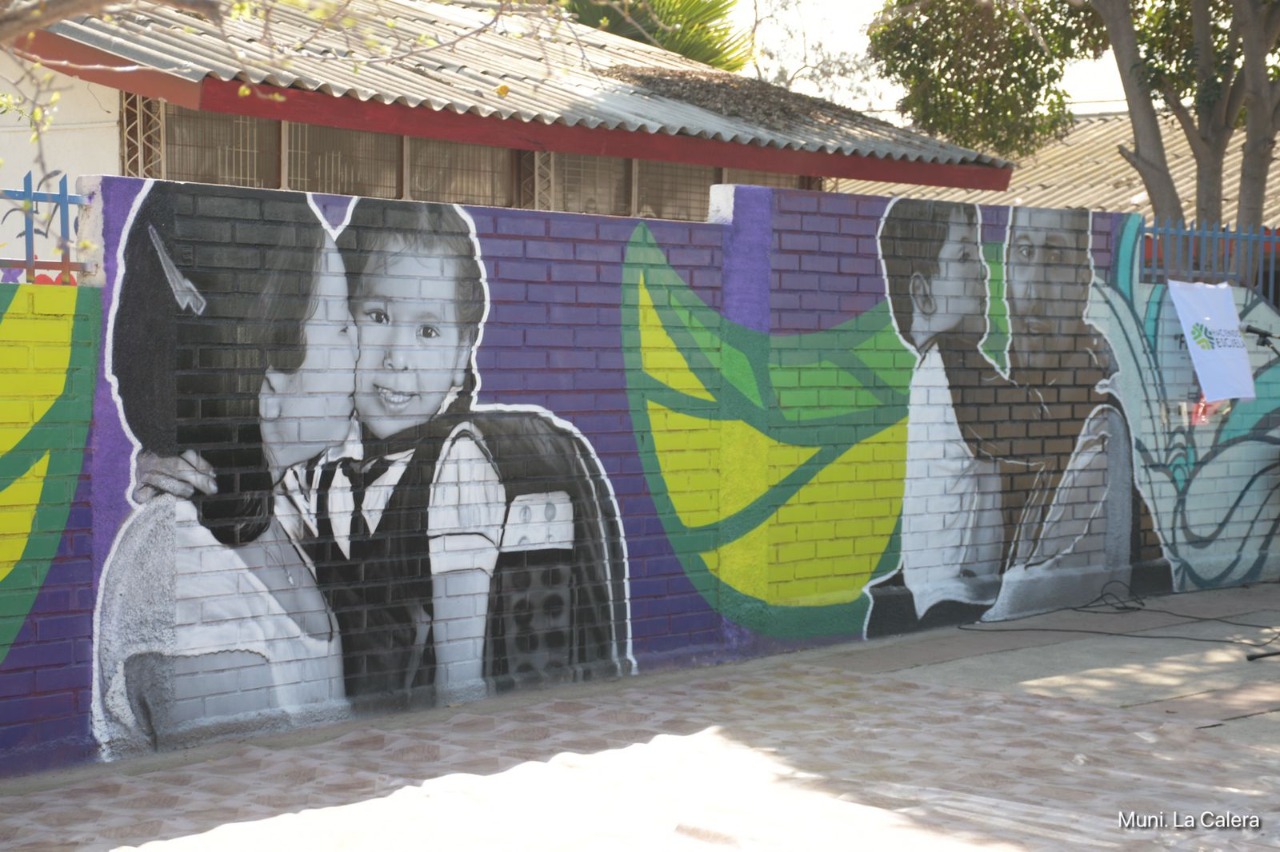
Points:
940	741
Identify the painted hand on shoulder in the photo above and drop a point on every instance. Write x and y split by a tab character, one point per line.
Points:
180	476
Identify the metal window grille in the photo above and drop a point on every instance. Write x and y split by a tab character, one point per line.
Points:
537	171
587	184
209	147
755	177
344	162
1214	254
141	136
460	174
674	190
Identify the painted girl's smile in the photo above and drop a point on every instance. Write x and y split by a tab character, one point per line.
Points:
394	399
413	351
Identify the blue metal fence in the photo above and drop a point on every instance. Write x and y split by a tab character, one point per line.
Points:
28	202
1213	254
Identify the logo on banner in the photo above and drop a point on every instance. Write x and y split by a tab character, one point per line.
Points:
1216	338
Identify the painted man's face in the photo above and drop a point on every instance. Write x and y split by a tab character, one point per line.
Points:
413	347
1048	274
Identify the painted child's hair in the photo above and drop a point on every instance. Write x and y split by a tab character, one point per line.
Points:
912	235
189	359
379	229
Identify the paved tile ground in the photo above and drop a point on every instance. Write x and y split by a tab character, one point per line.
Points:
1005	737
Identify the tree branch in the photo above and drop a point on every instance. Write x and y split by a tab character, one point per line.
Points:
1189	128
1271	24
1152	165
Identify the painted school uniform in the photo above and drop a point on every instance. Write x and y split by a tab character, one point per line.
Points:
503	537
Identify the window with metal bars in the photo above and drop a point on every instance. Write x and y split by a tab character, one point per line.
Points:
673	190
166	141
587	184
755	177
209	147
344	162
461	174
141	136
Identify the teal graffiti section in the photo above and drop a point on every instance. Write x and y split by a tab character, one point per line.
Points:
1210	485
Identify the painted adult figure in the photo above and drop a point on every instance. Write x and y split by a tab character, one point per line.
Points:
1068	515
209	617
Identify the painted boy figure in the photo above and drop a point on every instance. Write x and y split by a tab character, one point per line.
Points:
471	545
409	534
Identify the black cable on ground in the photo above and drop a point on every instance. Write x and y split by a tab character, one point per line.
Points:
1110	603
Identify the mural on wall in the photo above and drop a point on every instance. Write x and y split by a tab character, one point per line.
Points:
815	416
1018	485
1210	477
986	400
760	449
324	513
48	346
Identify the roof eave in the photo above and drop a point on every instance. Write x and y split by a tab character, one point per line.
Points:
318	108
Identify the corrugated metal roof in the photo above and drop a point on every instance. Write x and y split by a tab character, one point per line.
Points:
1085	169
463	58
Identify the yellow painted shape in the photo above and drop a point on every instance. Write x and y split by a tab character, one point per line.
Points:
18	504
822	545
725	459
743	564
688	453
660	357
42	318
752	464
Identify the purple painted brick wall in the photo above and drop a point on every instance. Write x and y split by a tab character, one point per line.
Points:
786	265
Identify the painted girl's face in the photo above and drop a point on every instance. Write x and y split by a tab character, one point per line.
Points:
413	346
306	412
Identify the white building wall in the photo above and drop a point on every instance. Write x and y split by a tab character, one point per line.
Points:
84	139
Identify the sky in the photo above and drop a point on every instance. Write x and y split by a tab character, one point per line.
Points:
1093	86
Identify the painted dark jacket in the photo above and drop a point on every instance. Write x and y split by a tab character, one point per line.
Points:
1028	424
552	614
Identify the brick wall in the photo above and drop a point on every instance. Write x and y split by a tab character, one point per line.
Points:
814	417
48	352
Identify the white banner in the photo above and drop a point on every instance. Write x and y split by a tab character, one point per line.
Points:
1212	327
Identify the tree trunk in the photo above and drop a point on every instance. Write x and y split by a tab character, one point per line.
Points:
1256	27
1213	124
1148	156
1209	184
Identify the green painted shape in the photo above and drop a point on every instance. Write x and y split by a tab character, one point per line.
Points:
1127	244
737	369
864	354
861	363
747	371
65	444
790	622
996	344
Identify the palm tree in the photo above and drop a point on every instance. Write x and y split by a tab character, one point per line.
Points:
698	29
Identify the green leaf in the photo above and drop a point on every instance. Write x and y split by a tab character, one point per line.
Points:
698	29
